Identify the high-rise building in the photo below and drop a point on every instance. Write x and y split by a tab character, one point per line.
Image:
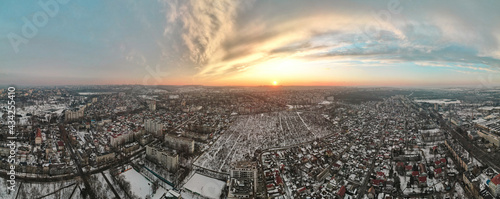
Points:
160	155
180	143
152	105
243	173
153	126
74	114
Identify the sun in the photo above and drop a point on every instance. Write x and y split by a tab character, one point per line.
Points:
275	83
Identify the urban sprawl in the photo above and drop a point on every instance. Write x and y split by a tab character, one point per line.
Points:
249	142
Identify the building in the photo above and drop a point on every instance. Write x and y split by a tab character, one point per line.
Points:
470	185
243	183
60	145
153	126
74	114
494	185
180	143
198	135
105	158
492	138
121	138
145	139
158	154
152	105
432	135
130	147
38	137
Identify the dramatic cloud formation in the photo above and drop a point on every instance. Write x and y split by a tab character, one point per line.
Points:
318	42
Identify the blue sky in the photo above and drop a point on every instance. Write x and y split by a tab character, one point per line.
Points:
388	43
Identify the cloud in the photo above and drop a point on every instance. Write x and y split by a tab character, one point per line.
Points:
202	25
224	38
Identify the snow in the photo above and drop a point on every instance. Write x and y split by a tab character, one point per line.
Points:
205	186
439	101
263	131
459	191
59	189
139	185
3	189
325	103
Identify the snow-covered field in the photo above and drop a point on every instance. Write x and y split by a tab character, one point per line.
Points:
261	131
203	185
3	189
100	186
61	189
141	186
42	109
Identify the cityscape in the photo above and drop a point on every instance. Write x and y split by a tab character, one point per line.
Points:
258	142
229	99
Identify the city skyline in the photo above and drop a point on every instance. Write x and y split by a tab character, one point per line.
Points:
250	43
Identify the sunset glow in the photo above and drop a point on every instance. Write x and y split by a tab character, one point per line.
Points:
244	43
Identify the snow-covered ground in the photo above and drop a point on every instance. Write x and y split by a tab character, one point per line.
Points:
61	189
262	131
100	186
141	186
459	191
117	188
438	101
3	189
203	185
42	109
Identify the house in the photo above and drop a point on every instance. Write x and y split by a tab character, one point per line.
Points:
422	181
371	193
38	137
341	192
60	145
105	158
438	173
494	185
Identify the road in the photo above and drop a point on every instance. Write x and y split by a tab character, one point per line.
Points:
476	152
362	189
84	177
110	185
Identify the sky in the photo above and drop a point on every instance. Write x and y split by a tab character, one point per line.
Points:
250	42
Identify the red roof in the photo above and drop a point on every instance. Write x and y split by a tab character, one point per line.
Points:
422	179
496	180
279	180
443	160
60	143
414	173
380	173
342	191
437	162
438	170
377	181
408	167
38	132
400	164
